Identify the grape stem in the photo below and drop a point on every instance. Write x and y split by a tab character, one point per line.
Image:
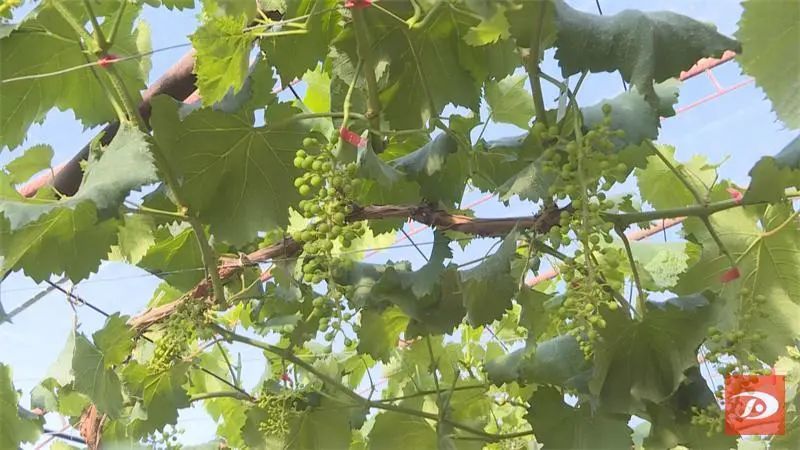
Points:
533	67
335	384
365	54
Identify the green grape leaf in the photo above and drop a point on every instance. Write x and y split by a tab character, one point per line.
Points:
489	286
661	264
223	49
27	51
34	159
161	393
171	4
176	259
530	20
767	249
509	101
380	331
126	164
115	340
394	430
14	429
660	187
94	379
322	428
772	175
672	419
557	361
293	55
489	30
135	237
640	361
439	167
64	241
635	116
645	47
559	426
236	177
764	56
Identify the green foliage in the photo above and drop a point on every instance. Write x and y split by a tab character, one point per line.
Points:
14	429
764	53
443	353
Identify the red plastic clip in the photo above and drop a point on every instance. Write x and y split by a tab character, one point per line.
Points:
285	378
357	4
730	275
107	60
735	194
351	137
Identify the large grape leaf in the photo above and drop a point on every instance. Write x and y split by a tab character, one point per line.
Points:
94	379
638	361
672	419
176	259
68	241
509	101
766	246
394	430
126	164
161	395
768	31
771	175
380	331
235	176
559	426
29	51
660	187
32	161
222	59
557	361
14	429
645	47
439	167
489	286
115	340
293	55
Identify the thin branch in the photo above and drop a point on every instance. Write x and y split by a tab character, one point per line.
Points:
533	67
335	384
221	394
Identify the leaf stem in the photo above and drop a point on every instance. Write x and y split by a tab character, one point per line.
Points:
365	54
640	299
221	394
102	43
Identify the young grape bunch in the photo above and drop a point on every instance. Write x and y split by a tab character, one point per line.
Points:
329	187
184	327
583	168
281	409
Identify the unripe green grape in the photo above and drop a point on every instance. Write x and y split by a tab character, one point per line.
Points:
316	165
348	342
606	108
308	161
304	190
310	142
316	180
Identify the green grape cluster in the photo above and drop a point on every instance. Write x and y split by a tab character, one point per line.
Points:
711	418
732	349
281	409
582	170
329	186
184	327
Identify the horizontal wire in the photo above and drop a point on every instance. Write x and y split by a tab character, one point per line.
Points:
93	63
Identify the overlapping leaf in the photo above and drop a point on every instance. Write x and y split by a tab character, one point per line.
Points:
235	176
772	175
645	47
641	361
764	29
27	51
14	429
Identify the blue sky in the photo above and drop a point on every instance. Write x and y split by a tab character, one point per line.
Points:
738	126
